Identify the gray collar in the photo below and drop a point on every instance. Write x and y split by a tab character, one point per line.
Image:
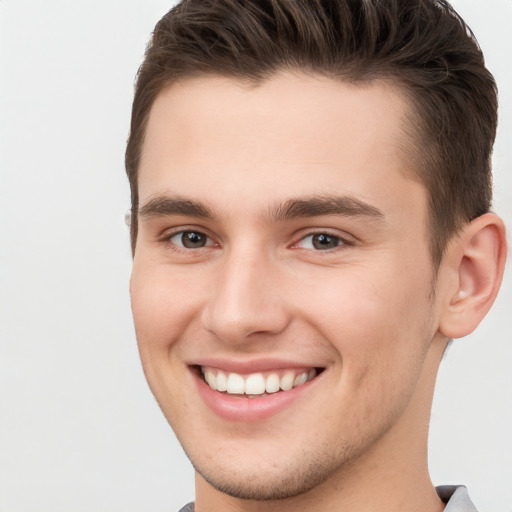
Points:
456	498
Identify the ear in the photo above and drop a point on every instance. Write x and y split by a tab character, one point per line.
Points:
476	261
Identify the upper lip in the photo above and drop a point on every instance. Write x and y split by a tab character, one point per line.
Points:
251	365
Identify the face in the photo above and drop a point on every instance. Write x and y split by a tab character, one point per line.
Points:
282	282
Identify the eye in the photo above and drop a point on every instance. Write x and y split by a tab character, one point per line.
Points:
191	240
320	242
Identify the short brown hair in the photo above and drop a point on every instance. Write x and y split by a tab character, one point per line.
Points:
423	46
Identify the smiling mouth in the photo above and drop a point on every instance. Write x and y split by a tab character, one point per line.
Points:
255	385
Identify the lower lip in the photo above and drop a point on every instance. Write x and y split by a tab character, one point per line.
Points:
237	408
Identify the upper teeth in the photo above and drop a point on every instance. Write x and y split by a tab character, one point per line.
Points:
256	383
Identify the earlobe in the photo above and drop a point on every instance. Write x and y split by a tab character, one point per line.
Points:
477	258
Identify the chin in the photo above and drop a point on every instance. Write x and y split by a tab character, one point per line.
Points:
291	476
266	487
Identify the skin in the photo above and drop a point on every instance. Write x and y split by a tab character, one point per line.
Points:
369	311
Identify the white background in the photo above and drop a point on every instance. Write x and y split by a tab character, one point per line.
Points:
79	430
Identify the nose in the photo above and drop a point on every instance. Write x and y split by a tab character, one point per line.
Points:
247	298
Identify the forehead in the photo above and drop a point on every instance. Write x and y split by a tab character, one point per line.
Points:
215	138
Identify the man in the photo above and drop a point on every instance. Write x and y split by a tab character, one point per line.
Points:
311	226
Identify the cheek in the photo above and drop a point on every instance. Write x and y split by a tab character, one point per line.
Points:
373	320
377	299
162	304
160	316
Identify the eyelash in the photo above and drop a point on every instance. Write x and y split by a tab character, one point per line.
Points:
341	242
167	239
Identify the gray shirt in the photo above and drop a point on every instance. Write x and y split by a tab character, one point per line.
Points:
455	496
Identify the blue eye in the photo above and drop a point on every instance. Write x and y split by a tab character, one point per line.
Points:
320	242
191	239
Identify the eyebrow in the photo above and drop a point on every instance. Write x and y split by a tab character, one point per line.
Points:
174	205
347	206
